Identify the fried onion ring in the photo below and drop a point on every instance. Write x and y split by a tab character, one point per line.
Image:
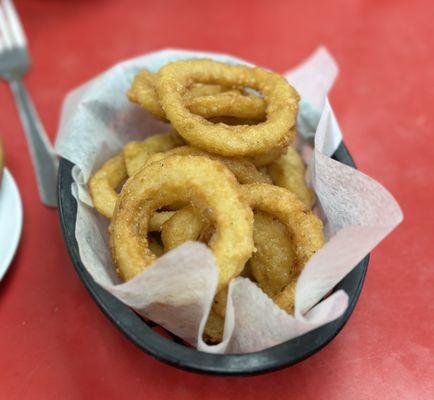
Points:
200	90
243	169
102	188
288	172
142	92
286	298
186	224
158	219
214	328
267	158
103	184
137	152
272	265
229	104
239	140
206	100
204	183
305	228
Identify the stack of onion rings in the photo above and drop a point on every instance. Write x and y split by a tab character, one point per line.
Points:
226	175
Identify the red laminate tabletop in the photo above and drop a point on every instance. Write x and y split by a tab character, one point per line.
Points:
54	341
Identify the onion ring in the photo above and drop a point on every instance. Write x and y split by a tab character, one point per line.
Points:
158	219
204	183
267	158
142	92
243	169
200	90
214	328
288	172
206	100
103	184
305	228
240	140
102	188
272	265
286	298
229	104
137	152
186	224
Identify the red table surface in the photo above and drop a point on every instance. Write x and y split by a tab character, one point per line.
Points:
56	343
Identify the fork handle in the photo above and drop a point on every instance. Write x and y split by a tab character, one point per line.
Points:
42	153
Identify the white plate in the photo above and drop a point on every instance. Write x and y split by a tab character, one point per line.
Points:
11	220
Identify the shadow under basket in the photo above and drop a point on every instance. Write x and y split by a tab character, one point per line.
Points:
166	347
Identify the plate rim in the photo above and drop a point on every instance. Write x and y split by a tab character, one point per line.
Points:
14	190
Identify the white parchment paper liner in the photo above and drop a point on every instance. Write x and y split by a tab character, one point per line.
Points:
177	290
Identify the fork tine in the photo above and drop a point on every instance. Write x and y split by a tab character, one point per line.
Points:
4	31
16	31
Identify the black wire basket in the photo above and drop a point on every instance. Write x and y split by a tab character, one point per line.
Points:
166	347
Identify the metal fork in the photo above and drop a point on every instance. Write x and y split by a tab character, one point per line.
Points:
14	63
